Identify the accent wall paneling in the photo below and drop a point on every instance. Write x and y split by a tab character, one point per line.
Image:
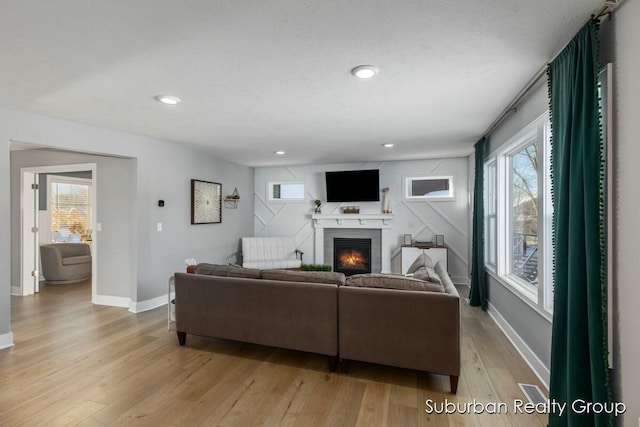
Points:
423	219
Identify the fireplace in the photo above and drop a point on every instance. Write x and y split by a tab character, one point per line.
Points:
352	256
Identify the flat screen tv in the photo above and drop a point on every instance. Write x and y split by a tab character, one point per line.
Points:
353	186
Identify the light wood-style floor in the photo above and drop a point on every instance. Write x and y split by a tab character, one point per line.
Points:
75	363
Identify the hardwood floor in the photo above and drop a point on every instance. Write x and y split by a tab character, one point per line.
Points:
75	363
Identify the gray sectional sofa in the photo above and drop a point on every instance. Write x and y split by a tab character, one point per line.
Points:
391	320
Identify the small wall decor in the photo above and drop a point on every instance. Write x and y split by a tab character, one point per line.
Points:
386	201
231	200
206	202
439	240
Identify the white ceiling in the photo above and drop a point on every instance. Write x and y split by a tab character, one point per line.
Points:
259	76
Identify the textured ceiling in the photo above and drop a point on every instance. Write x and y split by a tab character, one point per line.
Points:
260	76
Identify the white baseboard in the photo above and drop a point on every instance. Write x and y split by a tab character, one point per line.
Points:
541	371
112	301
15	290
460	280
150	304
6	340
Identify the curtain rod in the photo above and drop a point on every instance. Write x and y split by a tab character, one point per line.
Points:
606	9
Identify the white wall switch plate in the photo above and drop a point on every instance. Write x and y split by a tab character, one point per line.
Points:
159	226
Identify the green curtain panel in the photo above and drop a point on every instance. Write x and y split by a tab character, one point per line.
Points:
579	367
478	293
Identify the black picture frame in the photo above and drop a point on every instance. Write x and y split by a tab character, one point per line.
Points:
206	202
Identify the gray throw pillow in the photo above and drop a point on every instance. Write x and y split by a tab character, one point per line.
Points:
422	261
427	274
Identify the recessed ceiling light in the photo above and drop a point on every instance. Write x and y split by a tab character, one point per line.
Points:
280	152
365	71
168	99
388	145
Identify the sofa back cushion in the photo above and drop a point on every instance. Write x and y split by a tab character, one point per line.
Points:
227	271
392	282
305	276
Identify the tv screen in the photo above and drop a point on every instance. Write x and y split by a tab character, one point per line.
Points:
353	186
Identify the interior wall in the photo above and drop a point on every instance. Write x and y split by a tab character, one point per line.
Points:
621	48
163	171
533	328
114	193
421	219
5	250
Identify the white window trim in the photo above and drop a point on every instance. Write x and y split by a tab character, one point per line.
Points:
492	161
516	291
407	186
536	131
270	186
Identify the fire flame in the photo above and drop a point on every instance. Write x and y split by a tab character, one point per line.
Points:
351	258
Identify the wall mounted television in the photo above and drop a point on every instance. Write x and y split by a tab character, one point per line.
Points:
353	186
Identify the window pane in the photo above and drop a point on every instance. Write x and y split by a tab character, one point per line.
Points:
287	191
70	212
490	214
429	188
524	220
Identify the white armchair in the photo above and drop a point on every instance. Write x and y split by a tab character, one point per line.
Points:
270	252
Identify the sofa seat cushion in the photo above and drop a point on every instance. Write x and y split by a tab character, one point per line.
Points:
390	281
75	260
305	276
227	271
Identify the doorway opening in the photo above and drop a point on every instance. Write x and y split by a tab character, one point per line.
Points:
58	206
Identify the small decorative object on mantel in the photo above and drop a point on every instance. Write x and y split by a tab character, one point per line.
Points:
408	240
386	201
439	239
318	203
351	210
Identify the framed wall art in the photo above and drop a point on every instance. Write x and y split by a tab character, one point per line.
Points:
206	202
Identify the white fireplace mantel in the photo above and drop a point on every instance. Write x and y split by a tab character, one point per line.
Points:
380	222
375	221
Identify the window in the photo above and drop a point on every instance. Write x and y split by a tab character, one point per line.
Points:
286	191
429	188
70	209
524	213
518	215
490	214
